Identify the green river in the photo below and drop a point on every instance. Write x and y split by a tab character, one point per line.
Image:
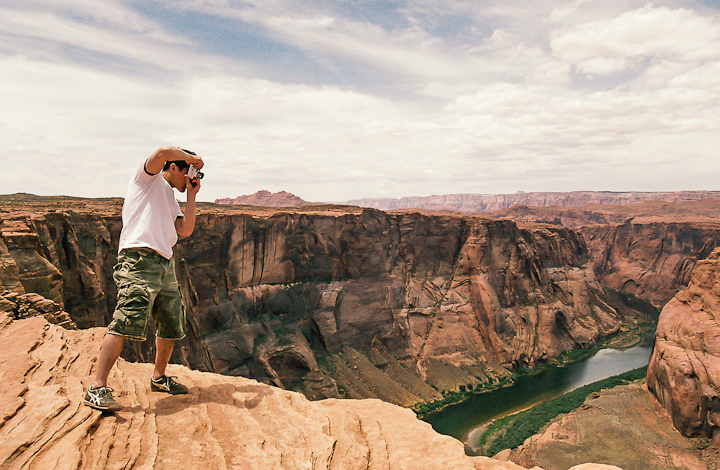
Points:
466	420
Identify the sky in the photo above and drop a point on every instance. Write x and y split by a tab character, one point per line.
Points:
340	100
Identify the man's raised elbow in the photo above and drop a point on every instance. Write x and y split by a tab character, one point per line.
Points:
183	229
166	151
183	232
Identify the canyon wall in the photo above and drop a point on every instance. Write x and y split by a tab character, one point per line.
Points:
332	302
652	260
647	249
684	370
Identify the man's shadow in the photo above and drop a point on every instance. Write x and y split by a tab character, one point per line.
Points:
222	394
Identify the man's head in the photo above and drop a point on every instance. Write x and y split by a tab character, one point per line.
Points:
175	172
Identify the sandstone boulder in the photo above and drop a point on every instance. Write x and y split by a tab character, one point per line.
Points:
19	306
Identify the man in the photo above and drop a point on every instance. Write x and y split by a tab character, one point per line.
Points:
145	272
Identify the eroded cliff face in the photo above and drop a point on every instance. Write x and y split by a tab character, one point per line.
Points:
647	249
333	302
652	260
684	370
65	256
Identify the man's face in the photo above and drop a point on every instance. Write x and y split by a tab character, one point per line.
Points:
177	178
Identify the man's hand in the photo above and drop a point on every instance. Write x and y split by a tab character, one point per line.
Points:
184	226
198	162
192	186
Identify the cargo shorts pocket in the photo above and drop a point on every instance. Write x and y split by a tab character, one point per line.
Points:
126	263
170	316
131	314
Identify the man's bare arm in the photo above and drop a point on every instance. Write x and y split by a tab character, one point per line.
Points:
156	161
184	226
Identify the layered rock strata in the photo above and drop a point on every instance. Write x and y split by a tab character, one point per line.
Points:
337	302
496	202
19	306
684	370
222	423
650	260
648	249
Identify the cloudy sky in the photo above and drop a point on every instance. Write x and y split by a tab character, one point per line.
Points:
336	100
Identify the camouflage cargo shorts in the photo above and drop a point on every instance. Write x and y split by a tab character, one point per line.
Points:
147	287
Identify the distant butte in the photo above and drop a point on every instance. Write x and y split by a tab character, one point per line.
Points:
486	203
266	199
495	202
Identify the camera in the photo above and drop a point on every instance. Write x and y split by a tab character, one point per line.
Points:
194	173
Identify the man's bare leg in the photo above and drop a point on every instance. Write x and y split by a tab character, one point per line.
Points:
163	351
109	352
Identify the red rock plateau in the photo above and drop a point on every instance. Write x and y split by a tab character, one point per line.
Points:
266	198
684	371
497	202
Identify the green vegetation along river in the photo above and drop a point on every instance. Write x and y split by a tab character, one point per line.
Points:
466	420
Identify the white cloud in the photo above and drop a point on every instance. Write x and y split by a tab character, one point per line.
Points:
406	51
134	40
628	41
110	14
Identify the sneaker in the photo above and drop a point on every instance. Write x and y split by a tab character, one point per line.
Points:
101	398
168	385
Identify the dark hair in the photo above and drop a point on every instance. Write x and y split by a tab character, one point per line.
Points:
181	164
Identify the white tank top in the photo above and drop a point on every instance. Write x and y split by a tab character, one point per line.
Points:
149	213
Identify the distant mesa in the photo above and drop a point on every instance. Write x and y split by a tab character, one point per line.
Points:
497	202
513	206
266	198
